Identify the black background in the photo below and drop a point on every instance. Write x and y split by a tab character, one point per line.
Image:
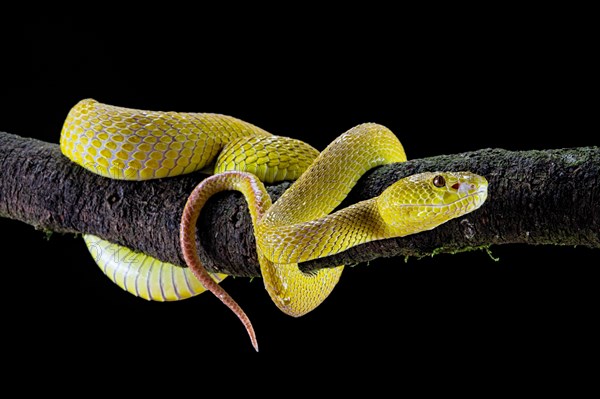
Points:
442	85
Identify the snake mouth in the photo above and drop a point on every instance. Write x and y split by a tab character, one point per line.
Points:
479	196
475	199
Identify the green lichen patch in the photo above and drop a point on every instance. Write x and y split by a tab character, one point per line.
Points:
453	251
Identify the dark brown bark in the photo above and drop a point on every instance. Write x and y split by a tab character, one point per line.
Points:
535	197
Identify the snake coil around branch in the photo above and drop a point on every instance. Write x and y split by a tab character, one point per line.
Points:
541	197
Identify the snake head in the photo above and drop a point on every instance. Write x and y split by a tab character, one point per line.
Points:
426	200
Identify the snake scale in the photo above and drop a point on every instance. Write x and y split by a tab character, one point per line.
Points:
130	144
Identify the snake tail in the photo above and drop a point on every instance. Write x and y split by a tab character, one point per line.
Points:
258	201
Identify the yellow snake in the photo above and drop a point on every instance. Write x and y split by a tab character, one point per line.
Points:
123	143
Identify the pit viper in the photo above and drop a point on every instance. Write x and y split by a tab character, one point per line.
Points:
131	144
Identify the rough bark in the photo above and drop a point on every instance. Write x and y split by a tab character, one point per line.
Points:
535	197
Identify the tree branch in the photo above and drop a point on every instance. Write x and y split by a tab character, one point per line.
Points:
535	197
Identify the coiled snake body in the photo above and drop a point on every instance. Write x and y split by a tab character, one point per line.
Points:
130	144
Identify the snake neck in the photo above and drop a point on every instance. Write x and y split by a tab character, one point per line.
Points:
299	227
329	235
333	174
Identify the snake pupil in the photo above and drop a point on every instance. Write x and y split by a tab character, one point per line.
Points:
439	181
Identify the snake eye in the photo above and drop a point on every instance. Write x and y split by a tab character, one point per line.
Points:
439	181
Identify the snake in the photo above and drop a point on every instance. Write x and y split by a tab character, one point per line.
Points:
303	224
